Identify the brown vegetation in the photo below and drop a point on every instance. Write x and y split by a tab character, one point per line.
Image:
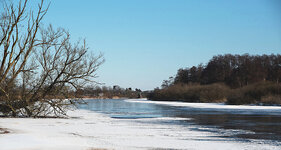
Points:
4	131
259	93
265	93
191	93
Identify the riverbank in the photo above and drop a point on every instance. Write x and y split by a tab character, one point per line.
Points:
87	130
260	93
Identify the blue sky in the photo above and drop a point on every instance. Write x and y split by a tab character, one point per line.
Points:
146	41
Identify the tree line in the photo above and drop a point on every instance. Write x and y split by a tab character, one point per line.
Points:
232	72
105	92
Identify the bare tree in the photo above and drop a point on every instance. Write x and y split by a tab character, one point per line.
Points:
39	67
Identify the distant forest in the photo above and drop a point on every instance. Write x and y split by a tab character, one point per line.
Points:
235	79
104	92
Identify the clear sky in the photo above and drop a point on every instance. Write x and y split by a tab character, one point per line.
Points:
146	41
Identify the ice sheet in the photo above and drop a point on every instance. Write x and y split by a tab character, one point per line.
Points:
89	130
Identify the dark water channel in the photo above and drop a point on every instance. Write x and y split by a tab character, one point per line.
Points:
231	125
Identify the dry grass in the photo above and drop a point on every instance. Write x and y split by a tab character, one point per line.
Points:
4	131
271	99
192	93
263	92
267	93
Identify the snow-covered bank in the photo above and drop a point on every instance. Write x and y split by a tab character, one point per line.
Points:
87	130
237	109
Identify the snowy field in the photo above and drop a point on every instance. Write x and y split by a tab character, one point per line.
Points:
87	130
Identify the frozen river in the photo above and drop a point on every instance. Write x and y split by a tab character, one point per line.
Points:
137	124
261	124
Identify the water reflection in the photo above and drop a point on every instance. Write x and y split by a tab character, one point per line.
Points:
243	126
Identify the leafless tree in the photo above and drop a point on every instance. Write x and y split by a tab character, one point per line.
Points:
39	67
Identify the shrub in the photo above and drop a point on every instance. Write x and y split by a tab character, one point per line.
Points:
271	99
214	93
255	93
191	93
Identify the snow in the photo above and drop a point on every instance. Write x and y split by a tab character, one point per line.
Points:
86	130
237	109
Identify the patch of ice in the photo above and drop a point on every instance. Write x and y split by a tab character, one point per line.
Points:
237	109
85	130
